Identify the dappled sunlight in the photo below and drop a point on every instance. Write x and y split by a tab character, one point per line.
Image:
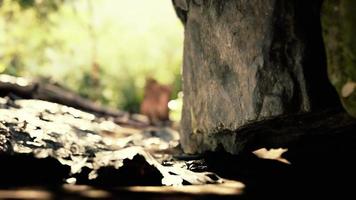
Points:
228	187
177	99
87	191
26	193
10	79
81	140
104	49
175	106
272	154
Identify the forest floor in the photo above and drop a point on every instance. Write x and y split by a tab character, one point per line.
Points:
53	151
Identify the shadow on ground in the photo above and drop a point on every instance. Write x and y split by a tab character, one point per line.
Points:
321	166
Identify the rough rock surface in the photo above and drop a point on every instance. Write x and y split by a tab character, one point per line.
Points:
247	61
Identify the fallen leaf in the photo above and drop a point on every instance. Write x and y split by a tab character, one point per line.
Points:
272	154
348	89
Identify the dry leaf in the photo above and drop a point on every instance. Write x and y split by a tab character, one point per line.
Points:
348	89
272	154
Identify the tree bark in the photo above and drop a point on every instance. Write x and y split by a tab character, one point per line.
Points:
249	61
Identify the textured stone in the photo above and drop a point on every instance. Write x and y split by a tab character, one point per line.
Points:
247	61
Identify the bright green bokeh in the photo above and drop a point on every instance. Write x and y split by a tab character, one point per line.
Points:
133	39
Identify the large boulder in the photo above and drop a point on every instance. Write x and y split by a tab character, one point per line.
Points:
248	61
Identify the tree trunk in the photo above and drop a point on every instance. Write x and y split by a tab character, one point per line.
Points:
248	61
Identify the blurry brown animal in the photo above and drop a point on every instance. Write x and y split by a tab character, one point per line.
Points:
155	101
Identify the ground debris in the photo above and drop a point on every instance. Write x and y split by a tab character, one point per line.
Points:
86	149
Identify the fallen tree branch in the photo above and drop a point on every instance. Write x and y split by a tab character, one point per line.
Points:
37	89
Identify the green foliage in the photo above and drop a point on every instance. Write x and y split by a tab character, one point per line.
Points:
61	39
339	29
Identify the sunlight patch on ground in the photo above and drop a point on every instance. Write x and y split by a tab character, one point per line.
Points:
228	187
272	154
25	194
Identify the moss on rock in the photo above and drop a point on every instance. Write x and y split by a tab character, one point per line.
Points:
339	29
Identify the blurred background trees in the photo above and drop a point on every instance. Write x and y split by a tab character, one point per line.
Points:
103	49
